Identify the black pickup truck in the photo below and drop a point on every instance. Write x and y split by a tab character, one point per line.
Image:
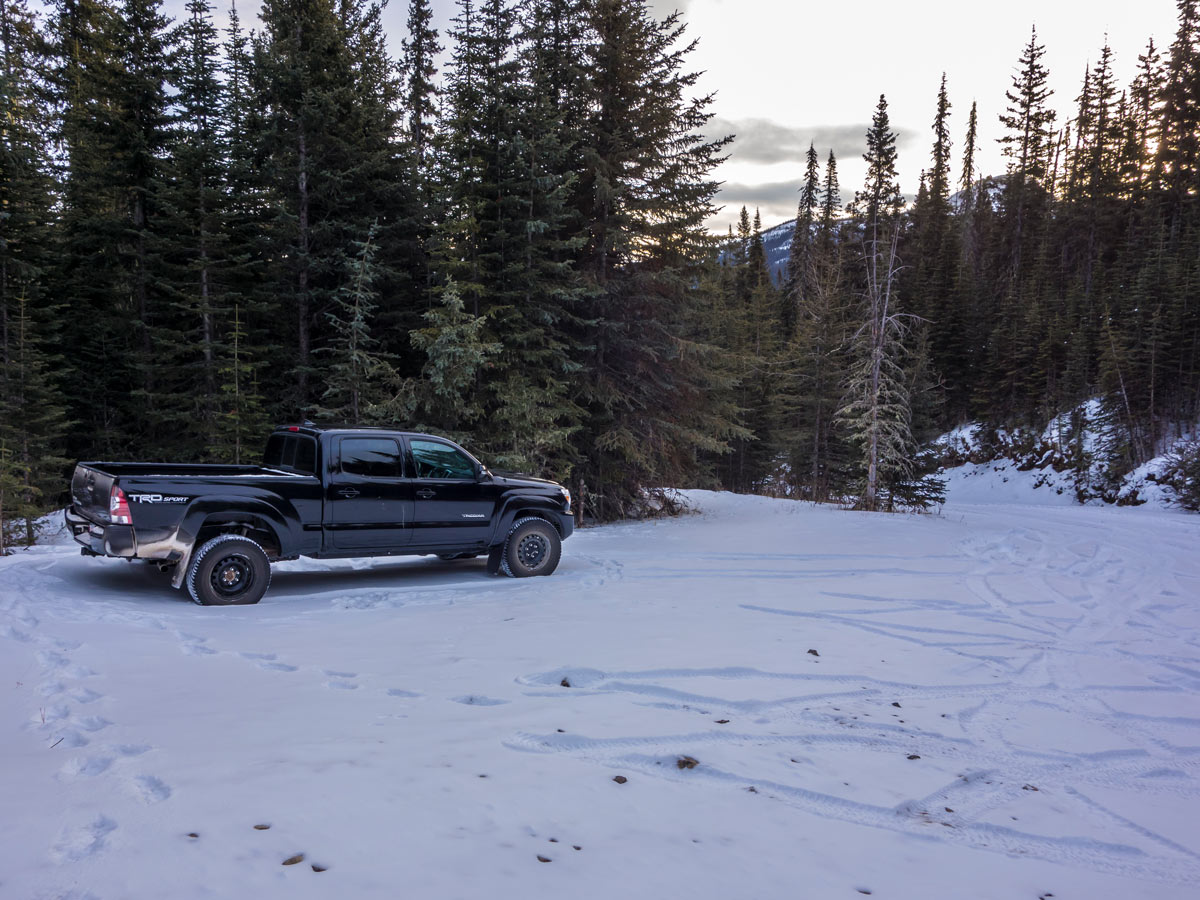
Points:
322	493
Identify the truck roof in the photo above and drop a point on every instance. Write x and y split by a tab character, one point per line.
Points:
312	429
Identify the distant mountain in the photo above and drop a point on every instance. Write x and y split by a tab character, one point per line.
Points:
777	242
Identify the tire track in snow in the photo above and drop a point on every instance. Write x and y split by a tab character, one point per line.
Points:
971	796
1047	608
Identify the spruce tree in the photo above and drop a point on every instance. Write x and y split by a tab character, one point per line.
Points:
195	198
966	184
418	67
800	251
32	413
507	241
32	426
358	374
456	350
815	360
1027	120
644	193
248	323
329	97
110	82
831	203
877	411
1178	160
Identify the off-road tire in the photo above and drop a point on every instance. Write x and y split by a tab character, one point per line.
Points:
229	570
533	547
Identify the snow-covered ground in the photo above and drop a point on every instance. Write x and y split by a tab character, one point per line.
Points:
1002	701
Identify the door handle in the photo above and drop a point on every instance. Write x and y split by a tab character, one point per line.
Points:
348	492
425	493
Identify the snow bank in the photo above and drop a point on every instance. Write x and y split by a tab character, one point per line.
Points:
1044	465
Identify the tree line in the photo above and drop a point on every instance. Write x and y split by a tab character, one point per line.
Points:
204	232
1002	299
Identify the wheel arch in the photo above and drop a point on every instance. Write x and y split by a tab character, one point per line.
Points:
252	517
522	508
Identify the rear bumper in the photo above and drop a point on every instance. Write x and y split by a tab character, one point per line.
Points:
101	539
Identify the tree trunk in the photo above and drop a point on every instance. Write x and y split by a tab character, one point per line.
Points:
302	332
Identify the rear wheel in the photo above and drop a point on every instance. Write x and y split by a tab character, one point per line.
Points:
229	570
533	548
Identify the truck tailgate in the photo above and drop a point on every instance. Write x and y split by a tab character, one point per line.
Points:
89	492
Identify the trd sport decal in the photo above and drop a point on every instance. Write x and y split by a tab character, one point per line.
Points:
157	498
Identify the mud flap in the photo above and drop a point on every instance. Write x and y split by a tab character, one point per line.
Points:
494	557
181	569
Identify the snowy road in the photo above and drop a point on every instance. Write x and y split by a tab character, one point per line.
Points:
999	702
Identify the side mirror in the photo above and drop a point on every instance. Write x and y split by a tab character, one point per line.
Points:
482	474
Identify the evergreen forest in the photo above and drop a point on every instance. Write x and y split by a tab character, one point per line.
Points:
499	234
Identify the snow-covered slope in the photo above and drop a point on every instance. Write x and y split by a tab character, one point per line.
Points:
1057	467
998	702
777	243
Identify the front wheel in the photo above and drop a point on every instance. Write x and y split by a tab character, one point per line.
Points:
229	570
533	548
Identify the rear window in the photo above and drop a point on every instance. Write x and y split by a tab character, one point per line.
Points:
291	452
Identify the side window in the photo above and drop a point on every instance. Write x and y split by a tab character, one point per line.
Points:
437	460
371	457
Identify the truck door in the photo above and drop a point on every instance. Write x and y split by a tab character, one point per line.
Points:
368	499
451	506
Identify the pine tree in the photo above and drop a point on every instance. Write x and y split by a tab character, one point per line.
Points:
753	344
357	370
939	172
508	240
800	252
416	222
831	204
196	205
1026	142
32	426
455	349
966	184
877	411
249	323
109	80
242	418
418	65
329	95
142	117
644	192
1178	161
814	366
932	282
32	414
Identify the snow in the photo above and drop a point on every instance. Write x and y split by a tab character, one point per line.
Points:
1002	481
1003	702
1025	461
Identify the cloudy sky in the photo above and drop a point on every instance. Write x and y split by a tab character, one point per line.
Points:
787	72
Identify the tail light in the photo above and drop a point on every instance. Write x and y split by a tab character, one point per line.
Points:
118	507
